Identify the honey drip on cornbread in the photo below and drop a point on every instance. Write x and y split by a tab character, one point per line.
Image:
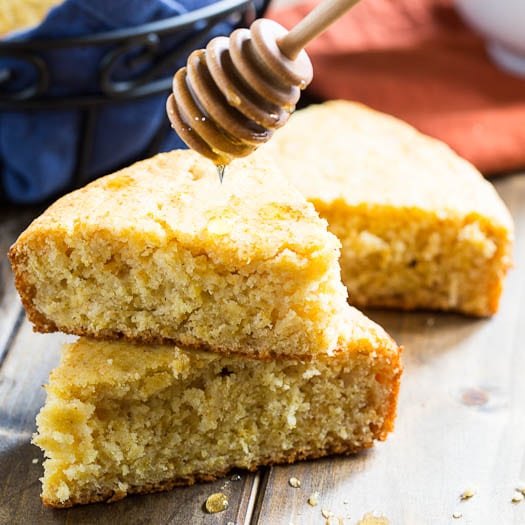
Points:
221	169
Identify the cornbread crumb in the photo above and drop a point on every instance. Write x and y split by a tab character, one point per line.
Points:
520	487
371	519
217	503
518	497
467	494
164	415
327	513
152	266
419	226
294	482
457	515
313	500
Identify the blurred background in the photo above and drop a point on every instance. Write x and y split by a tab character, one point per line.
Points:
83	83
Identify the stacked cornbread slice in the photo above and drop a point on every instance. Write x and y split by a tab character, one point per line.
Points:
419	226
162	252
219	333
122	418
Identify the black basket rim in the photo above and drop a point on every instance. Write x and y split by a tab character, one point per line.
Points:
160	27
35	97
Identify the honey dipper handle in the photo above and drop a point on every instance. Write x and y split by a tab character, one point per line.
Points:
312	25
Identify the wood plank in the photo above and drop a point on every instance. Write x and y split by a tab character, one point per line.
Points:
12	222
460	423
26	367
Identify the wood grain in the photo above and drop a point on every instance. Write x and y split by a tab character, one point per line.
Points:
12	222
461	423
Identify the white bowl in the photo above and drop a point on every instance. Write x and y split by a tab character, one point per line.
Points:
502	23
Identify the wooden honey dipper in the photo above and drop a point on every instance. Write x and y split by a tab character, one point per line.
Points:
232	96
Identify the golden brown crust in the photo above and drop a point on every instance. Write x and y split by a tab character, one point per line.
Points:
395	303
389	303
371	158
258	211
298	455
26	292
388	424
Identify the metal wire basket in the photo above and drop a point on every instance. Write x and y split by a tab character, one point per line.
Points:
142	45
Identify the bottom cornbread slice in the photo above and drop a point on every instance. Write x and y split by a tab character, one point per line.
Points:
122	418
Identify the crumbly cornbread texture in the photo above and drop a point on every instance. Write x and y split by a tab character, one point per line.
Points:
419	226
122	418
22	14
161	251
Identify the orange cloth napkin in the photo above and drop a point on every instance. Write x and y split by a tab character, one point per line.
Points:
417	60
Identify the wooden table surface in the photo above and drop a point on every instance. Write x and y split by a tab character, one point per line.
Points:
461	424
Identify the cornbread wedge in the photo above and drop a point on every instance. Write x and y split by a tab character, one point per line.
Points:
419	226
22	14
161	251
122	418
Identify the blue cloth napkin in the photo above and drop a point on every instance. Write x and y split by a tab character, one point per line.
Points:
38	149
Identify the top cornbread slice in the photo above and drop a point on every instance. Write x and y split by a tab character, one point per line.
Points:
419	226
161	251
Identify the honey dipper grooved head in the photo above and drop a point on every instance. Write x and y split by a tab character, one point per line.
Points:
232	95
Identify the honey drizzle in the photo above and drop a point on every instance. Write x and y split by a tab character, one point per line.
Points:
221	170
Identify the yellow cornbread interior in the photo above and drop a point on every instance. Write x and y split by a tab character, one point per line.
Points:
162	251
22	14
122	418
416	259
419	226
